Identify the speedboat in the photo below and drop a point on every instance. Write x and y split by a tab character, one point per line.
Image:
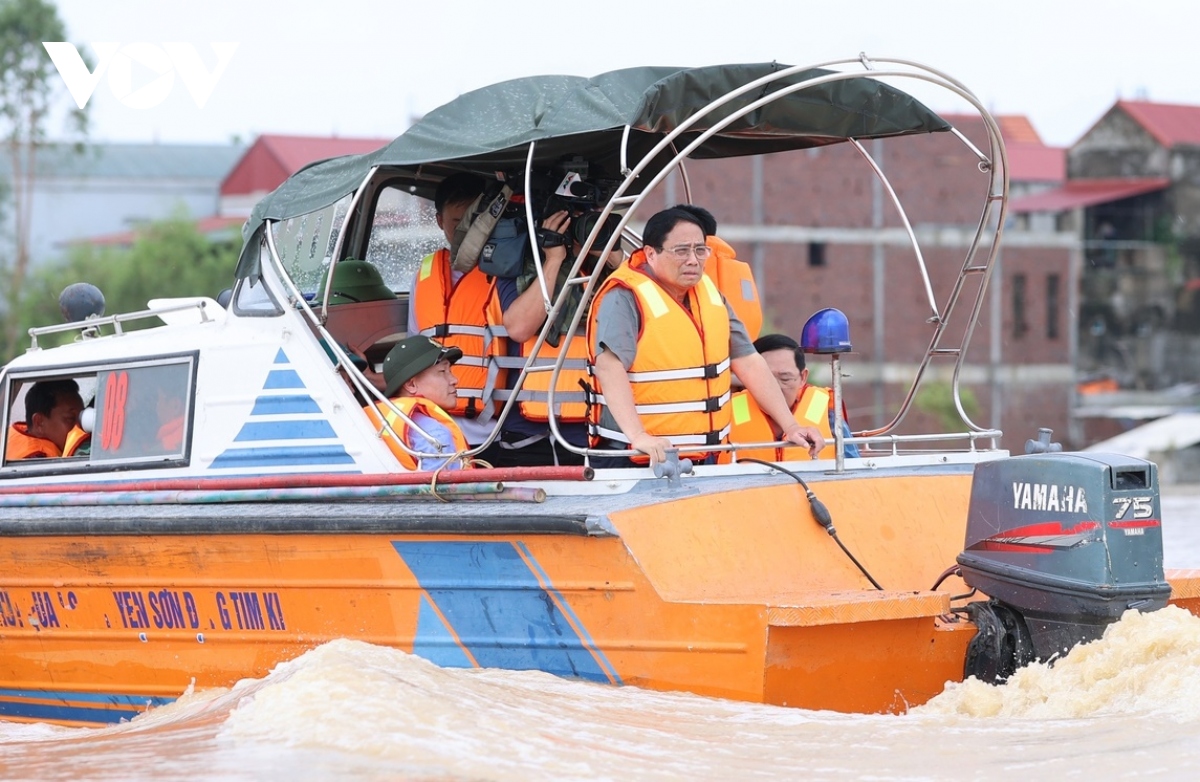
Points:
235	506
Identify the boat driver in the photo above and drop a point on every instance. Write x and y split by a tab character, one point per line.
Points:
421	383
51	427
812	405
662	342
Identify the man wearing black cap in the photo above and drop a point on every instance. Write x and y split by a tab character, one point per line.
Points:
422	385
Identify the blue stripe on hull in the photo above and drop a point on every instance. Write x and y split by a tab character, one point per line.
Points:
282	456
90	697
110	708
494	604
285	404
435	642
283	378
285	430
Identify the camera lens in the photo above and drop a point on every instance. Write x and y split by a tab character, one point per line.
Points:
582	225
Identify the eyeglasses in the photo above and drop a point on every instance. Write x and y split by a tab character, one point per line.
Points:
682	251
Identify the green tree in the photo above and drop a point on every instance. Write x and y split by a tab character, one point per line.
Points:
168	258
936	399
30	90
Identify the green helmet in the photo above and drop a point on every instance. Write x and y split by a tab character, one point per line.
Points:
356	281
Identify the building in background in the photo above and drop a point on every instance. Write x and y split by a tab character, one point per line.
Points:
99	193
820	231
101	189
272	158
1132	197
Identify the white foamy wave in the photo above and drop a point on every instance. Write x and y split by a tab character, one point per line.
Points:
381	703
36	731
1146	664
352	710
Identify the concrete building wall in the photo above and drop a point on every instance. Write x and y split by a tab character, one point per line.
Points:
1185	197
98	189
68	210
1117	147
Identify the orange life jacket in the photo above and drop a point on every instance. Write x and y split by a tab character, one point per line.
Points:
410	405
680	375
22	445
751	425
570	399
456	316
75	438
736	282
170	434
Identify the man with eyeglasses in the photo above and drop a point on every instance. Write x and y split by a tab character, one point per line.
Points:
811	405
662	343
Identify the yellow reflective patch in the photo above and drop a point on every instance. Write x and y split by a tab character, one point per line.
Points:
426	267
653	298
817	406
710	287
741	409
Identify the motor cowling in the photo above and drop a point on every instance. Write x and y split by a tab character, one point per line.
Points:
1067	541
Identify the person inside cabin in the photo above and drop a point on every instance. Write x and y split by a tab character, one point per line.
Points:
525	438
451	305
422	384
169	409
51	428
734	278
810	405
662	342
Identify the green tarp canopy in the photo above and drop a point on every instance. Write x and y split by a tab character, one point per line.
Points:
490	129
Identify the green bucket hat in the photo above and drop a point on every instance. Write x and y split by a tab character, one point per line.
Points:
356	281
411	357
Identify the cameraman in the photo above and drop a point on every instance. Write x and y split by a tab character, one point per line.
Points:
525	438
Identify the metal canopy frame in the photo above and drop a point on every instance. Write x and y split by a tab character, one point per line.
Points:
977	264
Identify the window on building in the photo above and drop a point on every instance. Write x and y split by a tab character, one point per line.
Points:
1020	319
1053	306
816	253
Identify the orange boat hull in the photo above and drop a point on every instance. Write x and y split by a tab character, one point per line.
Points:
737	595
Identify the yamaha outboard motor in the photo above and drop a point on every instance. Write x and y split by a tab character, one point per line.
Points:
1063	543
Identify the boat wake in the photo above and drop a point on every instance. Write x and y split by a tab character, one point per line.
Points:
350	708
1146	664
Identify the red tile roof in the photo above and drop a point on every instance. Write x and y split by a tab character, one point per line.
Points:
272	159
1170	124
1029	159
1087	192
1014	128
1017	129
1036	163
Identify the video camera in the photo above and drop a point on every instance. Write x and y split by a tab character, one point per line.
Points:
583	200
566	187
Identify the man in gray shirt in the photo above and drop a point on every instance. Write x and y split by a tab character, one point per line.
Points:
632	358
